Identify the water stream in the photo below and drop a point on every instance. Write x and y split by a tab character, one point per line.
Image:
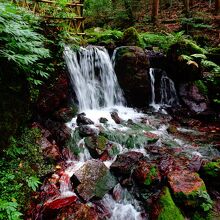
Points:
165	94
98	94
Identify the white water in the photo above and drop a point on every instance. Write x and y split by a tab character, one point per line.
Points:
93	78
167	91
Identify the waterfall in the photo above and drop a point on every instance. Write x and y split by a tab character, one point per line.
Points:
93	78
166	94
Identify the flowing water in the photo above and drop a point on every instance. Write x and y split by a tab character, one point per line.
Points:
165	94
98	93
93	78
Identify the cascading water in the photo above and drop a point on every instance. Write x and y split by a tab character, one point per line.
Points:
166	95
93	78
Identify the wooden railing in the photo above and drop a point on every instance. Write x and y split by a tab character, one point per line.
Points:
70	13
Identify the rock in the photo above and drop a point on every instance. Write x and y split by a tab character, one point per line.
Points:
125	162
178	68
116	118
78	211
131	64
103	120
65	114
82	120
60	132
146	173
156	59
188	189
192	98
164	208
95	180
86	130
96	145
53	97
130	37
60	202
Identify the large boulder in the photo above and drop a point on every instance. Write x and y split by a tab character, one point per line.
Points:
189	190
193	98
95	180
131	65
125	163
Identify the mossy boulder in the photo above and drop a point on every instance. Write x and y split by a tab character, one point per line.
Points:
130	37
95	180
131	66
146	174
165	208
189	190
212	169
182	70
96	144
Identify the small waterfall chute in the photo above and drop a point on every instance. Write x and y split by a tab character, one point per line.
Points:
93	78
165	95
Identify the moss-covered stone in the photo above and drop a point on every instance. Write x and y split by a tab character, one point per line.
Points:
165	208
153	173
212	169
131	37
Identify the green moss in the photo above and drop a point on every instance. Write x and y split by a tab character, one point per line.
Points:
212	169
169	209
101	142
202	87
153	173
131	37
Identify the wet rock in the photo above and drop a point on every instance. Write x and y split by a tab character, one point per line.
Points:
172	129
95	180
156	59
192	98
85	130
53	97
125	162
103	120
78	211
146	173
116	118
188	189
165	208
64	114
48	145
82	120
195	163
60	132
131	64
96	145
60	202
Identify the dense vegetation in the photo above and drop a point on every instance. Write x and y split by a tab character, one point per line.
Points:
28	56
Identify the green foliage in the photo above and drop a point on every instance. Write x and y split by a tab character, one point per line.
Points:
8	210
202	87
21	166
212	169
204	200
102	36
163	41
195	23
21	47
153	173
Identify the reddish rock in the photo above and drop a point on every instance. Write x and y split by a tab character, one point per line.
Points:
185	182
51	98
64	114
78	211
146	173
60	202
124	163
82	120
116	118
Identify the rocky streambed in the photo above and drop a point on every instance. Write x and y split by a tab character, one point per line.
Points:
124	164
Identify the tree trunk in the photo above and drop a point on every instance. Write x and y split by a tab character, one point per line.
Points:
217	6
155	10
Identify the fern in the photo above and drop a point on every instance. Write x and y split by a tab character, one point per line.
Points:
21	45
9	210
33	182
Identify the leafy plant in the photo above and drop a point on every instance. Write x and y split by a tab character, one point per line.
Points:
20	44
